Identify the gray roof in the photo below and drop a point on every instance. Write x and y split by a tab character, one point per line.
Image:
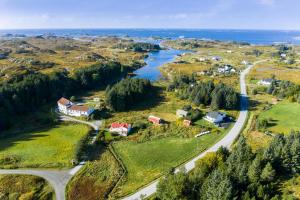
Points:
268	80
181	112
214	114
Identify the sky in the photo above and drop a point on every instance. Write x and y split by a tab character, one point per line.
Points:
198	14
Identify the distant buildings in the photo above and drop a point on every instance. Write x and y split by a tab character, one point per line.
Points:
187	123
216	58
69	108
226	69
266	82
215	117
181	113
155	120
120	128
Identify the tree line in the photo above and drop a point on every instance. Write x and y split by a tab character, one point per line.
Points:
218	96
123	95
285	89
240	174
138	46
26	94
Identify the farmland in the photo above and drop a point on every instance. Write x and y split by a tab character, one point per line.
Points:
283	117
155	158
52	147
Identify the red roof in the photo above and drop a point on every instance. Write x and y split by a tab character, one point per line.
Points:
79	108
64	101
154	119
120	125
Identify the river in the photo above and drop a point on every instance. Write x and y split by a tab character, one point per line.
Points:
155	61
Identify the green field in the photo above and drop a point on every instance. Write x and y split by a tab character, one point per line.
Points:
48	148
24	187
148	161
283	117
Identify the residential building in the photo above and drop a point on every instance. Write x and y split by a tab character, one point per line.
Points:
69	108
215	117
181	113
187	123
120	128
266	82
154	120
216	58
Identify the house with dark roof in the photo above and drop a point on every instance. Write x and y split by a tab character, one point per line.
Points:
215	117
67	107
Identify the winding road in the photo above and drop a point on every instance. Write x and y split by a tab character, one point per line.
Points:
227	141
60	178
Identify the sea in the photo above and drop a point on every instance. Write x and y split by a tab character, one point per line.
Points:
258	37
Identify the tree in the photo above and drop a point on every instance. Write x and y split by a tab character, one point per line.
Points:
268	173
173	187
217	186
255	169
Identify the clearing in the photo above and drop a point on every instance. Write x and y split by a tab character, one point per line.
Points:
283	117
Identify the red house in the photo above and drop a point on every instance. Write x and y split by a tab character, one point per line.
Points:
121	128
154	120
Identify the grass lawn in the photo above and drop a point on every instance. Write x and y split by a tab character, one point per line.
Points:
147	161
285	117
52	147
25	187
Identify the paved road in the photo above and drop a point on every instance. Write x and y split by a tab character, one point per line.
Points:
58	179
225	142
95	125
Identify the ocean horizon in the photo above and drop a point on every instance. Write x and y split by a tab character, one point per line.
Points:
240	35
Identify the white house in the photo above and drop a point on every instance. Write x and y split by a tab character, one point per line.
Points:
216	58
226	69
244	62
215	117
69	108
266	82
121	128
181	113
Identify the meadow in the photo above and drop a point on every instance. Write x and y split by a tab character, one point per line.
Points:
283	117
147	161
52	147
25	187
96	179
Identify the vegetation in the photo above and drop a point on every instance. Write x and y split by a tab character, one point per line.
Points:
96	179
123	95
25	187
285	89
56	147
207	93
149	160
31	92
139	46
240	174
281	118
